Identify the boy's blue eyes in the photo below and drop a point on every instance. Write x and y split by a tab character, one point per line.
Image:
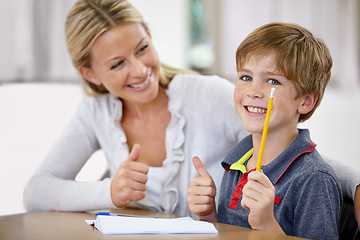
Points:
271	81
246	78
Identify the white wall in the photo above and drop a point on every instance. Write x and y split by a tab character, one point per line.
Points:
335	126
31	118
169	25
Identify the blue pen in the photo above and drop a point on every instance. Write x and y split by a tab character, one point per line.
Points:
103	213
120	215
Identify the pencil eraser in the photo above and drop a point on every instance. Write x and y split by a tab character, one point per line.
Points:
272	93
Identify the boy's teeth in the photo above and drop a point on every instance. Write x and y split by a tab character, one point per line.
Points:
256	110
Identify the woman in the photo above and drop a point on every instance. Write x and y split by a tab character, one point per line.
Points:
164	115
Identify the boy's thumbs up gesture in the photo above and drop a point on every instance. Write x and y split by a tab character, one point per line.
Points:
201	193
128	183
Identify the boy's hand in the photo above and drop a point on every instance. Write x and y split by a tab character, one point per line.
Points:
258	197
128	183
201	193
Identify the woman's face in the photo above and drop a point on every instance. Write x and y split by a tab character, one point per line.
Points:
125	62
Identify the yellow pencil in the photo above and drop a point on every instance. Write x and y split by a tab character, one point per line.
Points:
266	126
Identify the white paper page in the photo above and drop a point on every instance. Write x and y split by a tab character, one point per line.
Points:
134	225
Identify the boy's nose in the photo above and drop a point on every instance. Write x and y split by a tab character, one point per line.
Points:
255	90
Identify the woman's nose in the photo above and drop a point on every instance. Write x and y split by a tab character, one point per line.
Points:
137	68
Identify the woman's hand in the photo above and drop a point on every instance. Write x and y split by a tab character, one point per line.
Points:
201	193
258	197
128	183
357	205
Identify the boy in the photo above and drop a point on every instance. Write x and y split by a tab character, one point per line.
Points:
296	192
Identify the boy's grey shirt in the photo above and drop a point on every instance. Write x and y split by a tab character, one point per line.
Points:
306	187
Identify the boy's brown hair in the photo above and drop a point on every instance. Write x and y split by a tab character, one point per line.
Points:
300	57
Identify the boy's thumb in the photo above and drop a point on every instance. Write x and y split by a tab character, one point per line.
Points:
199	166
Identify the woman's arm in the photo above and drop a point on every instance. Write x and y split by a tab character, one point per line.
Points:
357	205
53	187
349	177
350	183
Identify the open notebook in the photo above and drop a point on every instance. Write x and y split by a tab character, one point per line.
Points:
139	225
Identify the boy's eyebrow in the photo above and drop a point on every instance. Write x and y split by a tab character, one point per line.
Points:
278	74
244	70
266	73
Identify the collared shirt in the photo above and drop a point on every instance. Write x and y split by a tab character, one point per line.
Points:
308	192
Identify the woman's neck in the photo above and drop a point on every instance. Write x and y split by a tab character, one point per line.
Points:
146	110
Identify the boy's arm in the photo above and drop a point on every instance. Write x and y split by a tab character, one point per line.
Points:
318	204
258	197
201	194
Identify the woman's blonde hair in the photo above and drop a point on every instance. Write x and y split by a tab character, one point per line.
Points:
87	20
300	56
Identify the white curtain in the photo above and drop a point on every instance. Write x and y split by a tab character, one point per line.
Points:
32	42
32	45
335	21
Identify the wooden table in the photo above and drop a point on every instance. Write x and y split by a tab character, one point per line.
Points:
71	225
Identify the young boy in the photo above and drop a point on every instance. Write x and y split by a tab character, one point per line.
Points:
295	192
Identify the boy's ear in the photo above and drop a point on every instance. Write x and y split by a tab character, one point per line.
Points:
308	103
89	75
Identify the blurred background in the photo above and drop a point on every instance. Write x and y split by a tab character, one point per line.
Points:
39	88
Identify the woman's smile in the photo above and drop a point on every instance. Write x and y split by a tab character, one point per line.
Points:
139	86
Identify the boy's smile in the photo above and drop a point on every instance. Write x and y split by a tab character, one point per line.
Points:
256	110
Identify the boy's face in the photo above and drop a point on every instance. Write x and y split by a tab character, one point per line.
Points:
255	80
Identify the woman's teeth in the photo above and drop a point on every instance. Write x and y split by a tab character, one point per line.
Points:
141	84
256	110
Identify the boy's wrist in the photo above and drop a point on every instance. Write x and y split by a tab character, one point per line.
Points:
212	217
274	227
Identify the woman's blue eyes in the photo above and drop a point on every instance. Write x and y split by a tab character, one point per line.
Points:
117	65
141	50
